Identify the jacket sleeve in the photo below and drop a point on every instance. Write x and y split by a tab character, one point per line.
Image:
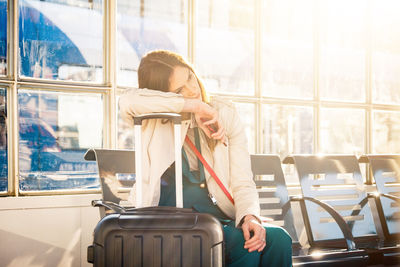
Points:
241	177
140	101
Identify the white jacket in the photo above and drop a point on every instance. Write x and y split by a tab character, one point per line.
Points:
231	163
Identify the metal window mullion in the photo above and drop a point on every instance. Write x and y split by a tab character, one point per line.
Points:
12	37
307	102
12	98
368	91
12	140
257	75
61	82
110	73
107	75
368	83
59	192
316	60
266	100
38	86
108	119
192	26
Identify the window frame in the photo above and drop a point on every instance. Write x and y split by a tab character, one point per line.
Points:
109	88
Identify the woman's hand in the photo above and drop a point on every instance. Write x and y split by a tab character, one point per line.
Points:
206	117
257	241
208	120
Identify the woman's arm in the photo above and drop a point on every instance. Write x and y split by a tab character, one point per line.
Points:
243	188
207	118
242	184
241	177
139	101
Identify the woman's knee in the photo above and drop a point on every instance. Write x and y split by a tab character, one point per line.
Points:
278	237
233	234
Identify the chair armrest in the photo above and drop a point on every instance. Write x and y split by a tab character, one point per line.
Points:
378	213
108	205
376	195
286	206
348	236
356	212
392	197
174	117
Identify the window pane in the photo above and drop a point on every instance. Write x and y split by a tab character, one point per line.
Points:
3	141
342	32
61	40
386	52
125	131
342	131
225	45
246	113
287	65
3	37
386	132
55	130
287	130
148	25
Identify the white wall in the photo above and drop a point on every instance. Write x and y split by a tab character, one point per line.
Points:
46	230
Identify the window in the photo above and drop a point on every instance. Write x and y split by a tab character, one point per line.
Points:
247	116
144	26
224	53
61	40
306	77
318	63
343	32
287	49
386	132
386	52
147	25
55	130
287	130
342	131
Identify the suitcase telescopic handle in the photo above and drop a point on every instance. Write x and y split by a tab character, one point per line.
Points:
176	119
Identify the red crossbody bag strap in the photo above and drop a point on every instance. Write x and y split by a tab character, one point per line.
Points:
209	169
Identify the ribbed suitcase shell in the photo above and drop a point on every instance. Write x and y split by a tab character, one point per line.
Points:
158	236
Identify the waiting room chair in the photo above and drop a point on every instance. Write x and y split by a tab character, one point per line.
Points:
385	171
275	203
336	181
117	174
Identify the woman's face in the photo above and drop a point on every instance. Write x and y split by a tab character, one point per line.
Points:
183	81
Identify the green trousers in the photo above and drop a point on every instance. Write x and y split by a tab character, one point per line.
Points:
277	252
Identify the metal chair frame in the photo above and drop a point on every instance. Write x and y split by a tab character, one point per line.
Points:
270	165
111	163
385	170
359	214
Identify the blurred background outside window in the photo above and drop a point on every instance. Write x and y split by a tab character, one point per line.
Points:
55	130
61	40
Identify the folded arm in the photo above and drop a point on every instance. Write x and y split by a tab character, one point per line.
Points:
140	101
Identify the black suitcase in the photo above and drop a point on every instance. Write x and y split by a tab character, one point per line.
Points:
158	236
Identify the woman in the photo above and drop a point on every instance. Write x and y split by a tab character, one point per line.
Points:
173	86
